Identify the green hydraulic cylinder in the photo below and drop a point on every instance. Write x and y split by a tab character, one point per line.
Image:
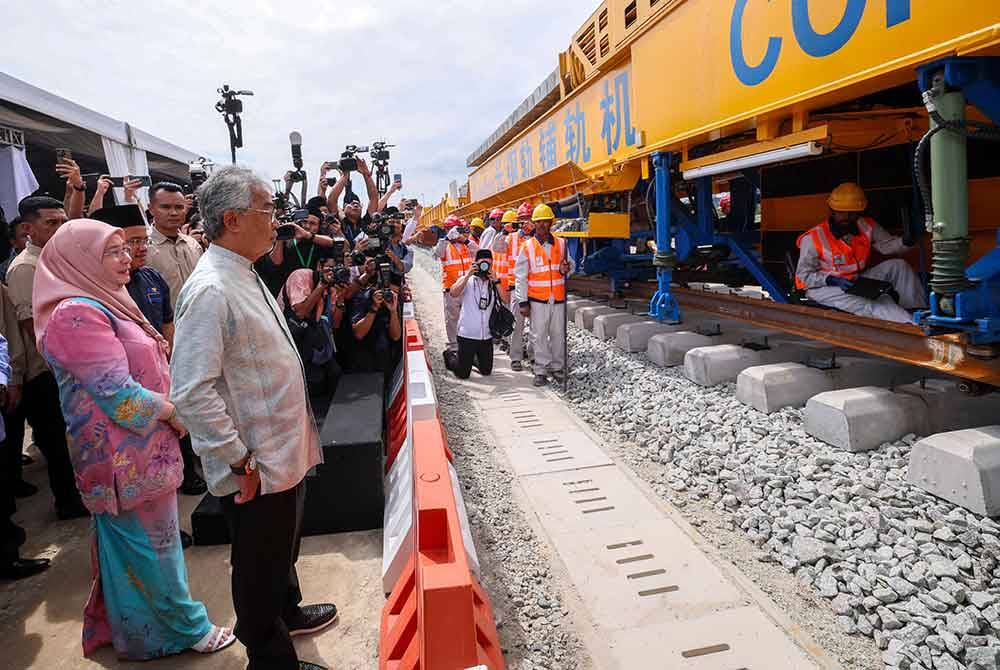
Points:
950	193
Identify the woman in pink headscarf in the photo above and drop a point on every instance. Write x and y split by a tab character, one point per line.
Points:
114	383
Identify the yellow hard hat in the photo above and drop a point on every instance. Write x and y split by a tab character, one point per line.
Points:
478	223
542	213
848	197
510	216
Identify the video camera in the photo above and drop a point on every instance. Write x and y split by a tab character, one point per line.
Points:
349	159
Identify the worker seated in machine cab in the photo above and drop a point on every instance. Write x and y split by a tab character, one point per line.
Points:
833	263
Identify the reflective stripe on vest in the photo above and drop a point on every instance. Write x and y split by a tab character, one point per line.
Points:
457	261
545	280
836	256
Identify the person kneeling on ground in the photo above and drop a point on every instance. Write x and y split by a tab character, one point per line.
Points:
477	295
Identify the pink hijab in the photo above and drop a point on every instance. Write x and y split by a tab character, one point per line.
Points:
70	266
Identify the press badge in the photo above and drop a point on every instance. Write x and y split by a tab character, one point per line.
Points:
484	302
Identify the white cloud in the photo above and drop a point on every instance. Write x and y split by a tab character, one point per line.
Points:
434	78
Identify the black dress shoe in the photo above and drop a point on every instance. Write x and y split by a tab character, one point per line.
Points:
20	568
306	665
312	619
74	511
186	540
23	489
193	485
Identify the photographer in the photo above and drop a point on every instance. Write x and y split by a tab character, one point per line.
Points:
476	291
300	253
313	304
455	253
353	220
376	323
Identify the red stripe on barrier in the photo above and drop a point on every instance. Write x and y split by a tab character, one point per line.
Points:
454	619
414	339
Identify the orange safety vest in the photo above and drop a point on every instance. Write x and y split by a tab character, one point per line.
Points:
836	256
500	266
545	279
515	242
457	261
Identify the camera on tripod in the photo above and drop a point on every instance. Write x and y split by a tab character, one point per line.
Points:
380	152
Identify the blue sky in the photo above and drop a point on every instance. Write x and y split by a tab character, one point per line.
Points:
435	78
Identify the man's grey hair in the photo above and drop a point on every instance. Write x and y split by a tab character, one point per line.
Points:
228	189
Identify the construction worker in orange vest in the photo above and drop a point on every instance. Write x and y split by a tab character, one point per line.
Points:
456	253
520	231
540	291
834	254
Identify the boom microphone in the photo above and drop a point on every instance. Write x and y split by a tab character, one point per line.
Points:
295	138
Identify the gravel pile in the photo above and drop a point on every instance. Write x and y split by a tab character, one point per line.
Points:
536	629
914	573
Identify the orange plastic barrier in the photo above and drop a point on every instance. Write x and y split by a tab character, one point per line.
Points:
438	617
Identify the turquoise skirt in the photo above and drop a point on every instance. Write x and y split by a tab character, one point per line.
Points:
139	601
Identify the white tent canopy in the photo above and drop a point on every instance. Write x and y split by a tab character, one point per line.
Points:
50	121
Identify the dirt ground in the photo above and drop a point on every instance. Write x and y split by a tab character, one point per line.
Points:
41	617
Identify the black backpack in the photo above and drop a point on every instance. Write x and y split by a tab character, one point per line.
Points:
501	318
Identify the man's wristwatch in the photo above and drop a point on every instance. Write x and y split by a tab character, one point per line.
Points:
247	468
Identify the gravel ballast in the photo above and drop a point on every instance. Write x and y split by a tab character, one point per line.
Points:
880	573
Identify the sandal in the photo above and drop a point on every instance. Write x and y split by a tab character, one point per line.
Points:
215	640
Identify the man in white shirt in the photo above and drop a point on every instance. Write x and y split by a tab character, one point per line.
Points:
240	389
476	290
493	226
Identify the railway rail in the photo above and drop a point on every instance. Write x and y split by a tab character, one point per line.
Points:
948	354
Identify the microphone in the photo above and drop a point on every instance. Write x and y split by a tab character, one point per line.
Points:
295	138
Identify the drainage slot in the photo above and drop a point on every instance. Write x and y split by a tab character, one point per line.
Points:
590	500
647	573
558	450
705	651
549	441
622	545
561	458
596	509
530	425
634	559
582	481
596	488
658	591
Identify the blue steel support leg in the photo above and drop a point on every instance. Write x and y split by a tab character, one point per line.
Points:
663	306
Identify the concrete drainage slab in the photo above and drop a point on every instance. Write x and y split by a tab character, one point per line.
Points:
530	418
736	639
553	452
645	574
650	592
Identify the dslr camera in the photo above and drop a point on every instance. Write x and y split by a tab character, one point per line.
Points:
483	267
341	273
384	275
